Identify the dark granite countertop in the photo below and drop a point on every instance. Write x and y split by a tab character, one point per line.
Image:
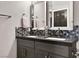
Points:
68	40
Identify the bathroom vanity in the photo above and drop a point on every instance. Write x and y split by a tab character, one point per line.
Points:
40	47
53	16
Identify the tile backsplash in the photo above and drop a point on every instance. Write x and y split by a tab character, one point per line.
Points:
52	33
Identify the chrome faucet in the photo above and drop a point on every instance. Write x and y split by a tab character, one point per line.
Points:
46	31
58	32
37	34
28	30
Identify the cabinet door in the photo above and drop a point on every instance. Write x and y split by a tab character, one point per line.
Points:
53	48
41	53
19	51
25	48
25	52
29	52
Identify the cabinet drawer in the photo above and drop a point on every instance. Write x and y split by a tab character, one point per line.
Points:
25	42
56	49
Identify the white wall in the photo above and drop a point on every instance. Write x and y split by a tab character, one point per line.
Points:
76	13
76	16
55	5
7	27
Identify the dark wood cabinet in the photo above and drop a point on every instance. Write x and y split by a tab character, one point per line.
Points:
20	51
25	49
25	52
52	50
38	48
41	53
52	55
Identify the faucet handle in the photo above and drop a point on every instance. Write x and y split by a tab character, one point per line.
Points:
59	29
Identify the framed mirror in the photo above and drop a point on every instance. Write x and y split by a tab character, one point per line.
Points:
60	15
39	16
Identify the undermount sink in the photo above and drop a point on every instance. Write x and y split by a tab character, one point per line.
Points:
50	38
32	36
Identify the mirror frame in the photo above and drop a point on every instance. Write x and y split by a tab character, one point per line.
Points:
42	28
70	21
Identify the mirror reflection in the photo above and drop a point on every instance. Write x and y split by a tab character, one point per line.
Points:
60	18
39	16
60	15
